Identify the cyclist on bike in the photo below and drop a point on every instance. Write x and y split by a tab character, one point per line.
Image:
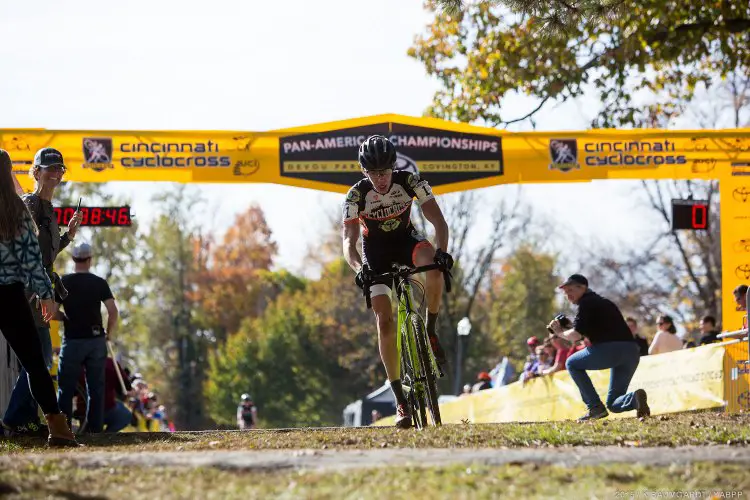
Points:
381	204
247	413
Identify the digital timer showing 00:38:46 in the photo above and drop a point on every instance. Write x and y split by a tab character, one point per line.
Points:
96	216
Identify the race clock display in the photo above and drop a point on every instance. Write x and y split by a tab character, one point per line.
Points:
690	214
96	216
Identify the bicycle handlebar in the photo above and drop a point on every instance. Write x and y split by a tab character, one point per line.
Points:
404	273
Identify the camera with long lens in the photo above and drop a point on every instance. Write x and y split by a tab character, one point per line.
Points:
565	323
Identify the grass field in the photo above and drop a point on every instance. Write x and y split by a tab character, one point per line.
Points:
672	430
59	480
33	475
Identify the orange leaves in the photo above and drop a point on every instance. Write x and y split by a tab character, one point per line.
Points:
229	281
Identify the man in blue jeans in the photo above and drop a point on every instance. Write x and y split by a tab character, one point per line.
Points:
84	341
612	346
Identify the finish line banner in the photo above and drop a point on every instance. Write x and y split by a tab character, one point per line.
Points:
451	156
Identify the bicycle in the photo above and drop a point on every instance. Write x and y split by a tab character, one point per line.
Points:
418	364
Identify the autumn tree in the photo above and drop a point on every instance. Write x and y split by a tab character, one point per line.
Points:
520	301
310	353
474	250
165	339
641	58
233	280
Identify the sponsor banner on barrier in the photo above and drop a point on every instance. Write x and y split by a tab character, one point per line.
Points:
440	156
737	373
684	380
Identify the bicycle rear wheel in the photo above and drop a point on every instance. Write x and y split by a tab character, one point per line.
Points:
425	359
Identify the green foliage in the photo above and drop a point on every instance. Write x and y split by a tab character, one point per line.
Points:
313	351
485	52
164	339
230	284
521	301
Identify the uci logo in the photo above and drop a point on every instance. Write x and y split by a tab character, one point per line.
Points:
246	167
390	225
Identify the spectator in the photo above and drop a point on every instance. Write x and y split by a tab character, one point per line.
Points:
740	297
666	339
247	413
116	413
503	373
529	367
641	341
466	391
612	346
484	382
563	350
47	171
375	416
84	341
687	341
545	359
21	264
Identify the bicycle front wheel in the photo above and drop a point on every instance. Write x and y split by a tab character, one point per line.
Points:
428	367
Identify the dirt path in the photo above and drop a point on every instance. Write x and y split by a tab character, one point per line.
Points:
345	459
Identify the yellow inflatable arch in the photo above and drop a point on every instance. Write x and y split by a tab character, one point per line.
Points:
452	156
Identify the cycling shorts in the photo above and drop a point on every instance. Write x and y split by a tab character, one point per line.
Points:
381	256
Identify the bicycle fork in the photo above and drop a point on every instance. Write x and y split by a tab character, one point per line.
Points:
404	320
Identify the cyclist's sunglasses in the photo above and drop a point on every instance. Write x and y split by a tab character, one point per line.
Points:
379	173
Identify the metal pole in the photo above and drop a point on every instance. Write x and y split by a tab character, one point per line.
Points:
459	359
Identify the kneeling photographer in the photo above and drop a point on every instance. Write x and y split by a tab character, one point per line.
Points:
612	347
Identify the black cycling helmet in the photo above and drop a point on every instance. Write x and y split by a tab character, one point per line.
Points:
377	153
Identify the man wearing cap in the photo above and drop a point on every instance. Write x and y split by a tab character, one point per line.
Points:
612	347
84	342
21	416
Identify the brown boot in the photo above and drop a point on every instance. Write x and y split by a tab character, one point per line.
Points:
59	432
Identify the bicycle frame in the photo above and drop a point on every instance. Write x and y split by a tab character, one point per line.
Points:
414	353
405	330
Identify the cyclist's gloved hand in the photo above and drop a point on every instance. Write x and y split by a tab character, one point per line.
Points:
363	276
443	259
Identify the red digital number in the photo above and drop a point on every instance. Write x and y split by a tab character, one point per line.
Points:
58	215
123	217
96	216
111	215
84	216
67	215
700	217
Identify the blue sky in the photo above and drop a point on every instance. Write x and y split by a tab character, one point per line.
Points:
251	65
